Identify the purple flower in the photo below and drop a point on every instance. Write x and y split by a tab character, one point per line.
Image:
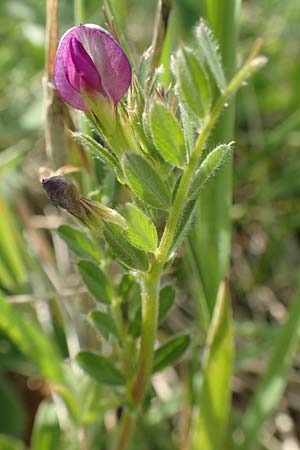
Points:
90	61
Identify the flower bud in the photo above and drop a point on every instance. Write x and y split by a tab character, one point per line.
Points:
90	63
63	192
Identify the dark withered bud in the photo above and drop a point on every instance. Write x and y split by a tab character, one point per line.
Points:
63	192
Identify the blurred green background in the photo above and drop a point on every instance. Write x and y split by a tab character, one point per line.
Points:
265	212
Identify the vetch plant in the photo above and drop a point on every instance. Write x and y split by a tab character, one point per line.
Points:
156	143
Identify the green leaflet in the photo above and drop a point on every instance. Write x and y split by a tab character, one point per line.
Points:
104	323
167	134
100	369
169	353
78	242
193	82
145	182
214	401
166	300
140	232
209	51
100	152
185	222
123	249
208	168
95	281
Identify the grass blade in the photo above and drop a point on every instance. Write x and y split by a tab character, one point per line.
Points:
31	341
46	431
210	431
274	380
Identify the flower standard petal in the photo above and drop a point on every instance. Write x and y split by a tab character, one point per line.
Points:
109	58
85	51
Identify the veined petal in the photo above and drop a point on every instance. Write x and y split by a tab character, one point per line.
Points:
109	58
62	84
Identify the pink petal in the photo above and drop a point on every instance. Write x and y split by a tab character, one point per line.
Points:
104	53
62	84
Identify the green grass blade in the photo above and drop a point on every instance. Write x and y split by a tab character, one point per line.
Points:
46	431
12	269
274	379
210	432
10	443
31	341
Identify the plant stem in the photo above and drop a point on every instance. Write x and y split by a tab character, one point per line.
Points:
150	297
126	428
117	316
79	13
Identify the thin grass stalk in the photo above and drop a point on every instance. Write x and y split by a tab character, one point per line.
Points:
55	138
160	29
79	11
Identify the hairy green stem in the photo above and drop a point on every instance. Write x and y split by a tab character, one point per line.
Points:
125	352
150	297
